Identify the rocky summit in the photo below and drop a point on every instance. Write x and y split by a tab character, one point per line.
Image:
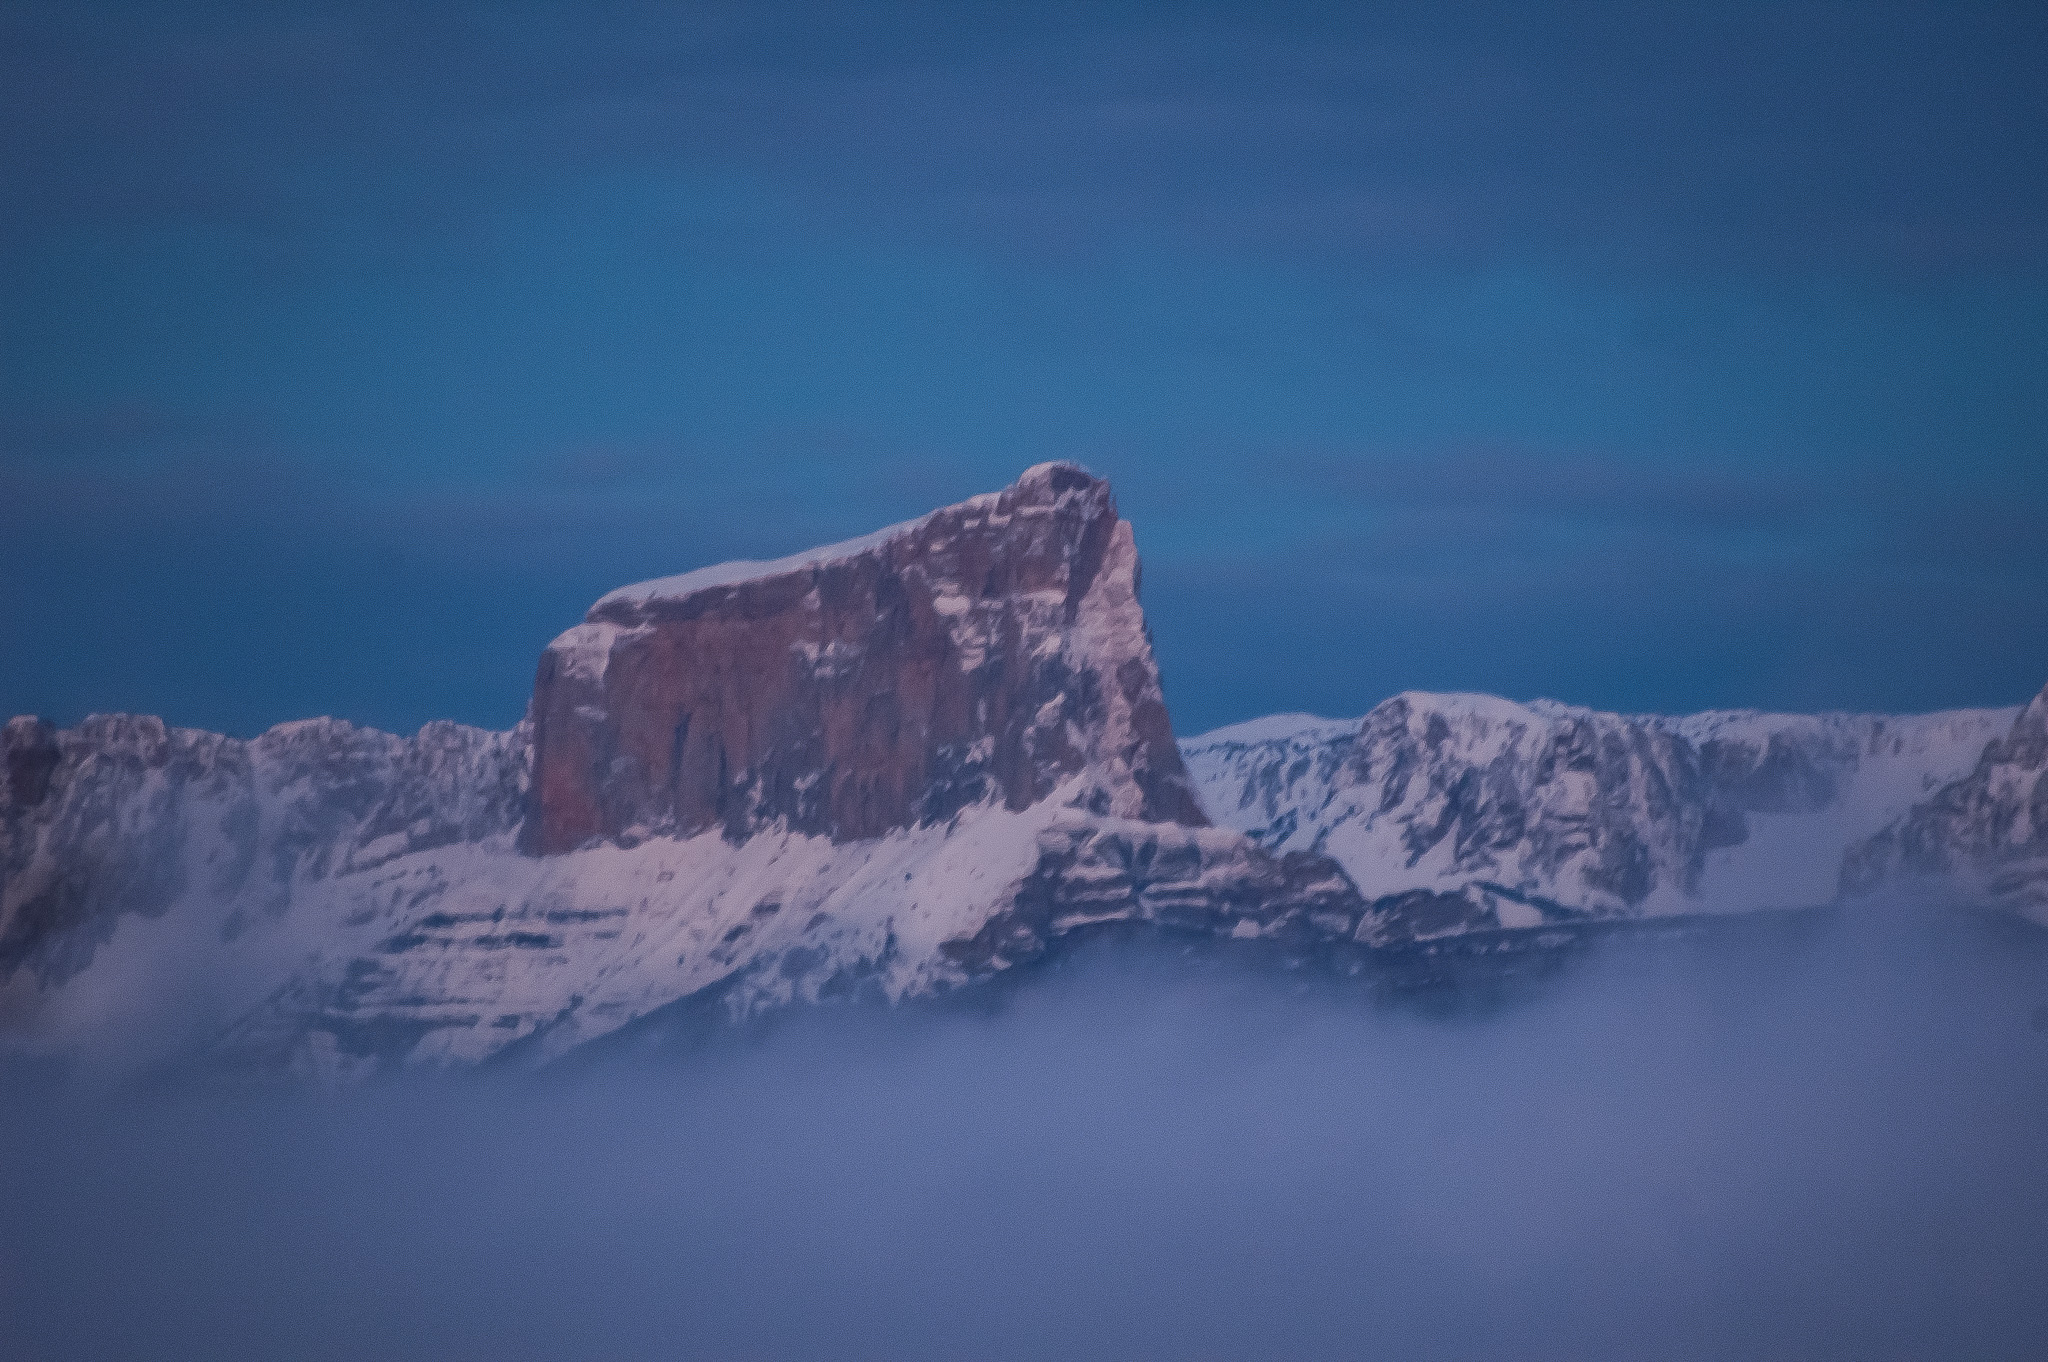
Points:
890	768
987	652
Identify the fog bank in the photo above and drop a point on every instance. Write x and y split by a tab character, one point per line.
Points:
1810	1144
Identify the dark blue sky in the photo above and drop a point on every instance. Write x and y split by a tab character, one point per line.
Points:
1651	361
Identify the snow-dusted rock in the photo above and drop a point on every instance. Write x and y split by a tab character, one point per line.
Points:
1498	814
1985	834
124	814
154	881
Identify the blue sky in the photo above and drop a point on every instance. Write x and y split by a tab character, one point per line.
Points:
1651	359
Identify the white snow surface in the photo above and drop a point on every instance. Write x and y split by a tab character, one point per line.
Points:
484	947
747	570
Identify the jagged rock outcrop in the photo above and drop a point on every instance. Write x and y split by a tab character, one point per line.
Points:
987	651
1114	871
1984	835
1466	812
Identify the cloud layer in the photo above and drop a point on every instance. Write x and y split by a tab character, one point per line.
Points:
1816	1143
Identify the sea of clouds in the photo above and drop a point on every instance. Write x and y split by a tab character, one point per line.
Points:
1821	1141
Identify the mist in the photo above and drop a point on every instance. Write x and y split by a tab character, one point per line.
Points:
1818	1139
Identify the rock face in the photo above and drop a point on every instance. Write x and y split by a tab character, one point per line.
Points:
1985	833
988	651
1469	812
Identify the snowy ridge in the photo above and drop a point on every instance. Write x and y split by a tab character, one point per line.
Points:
453	956
333	901
329	950
1527	812
448	957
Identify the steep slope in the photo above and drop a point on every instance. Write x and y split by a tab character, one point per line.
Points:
890	766
1498	814
1984	833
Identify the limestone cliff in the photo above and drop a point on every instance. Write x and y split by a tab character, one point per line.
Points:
987	651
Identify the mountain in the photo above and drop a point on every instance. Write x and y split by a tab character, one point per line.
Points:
888	767
988	652
1982	836
1479	813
